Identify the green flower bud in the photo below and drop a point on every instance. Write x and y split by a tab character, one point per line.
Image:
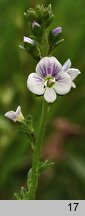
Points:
54	36
49	21
28	43
31	47
36	28
39	13
30	15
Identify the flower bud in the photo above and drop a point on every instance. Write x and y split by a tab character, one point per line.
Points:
28	40
49	21
31	46
36	28
42	15
56	31
55	36
30	15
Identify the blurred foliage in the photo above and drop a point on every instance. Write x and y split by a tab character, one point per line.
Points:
67	179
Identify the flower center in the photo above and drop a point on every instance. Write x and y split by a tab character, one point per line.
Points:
49	82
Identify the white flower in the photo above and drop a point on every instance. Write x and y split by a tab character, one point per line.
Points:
71	71
15	116
51	79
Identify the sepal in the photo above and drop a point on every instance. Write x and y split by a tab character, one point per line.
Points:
26	128
22	195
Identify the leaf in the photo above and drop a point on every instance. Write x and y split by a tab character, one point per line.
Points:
45	165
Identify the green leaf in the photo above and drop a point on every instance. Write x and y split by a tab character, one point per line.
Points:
17	196
45	165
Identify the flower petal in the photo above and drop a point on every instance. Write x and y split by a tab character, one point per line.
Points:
19	115
67	65
48	66
73	85
11	115
73	73
35	84
63	84
18	111
50	95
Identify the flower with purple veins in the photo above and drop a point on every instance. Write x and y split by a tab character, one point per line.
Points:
51	79
71	71
15	116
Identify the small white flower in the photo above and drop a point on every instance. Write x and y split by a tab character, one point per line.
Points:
15	116
71	71
51	79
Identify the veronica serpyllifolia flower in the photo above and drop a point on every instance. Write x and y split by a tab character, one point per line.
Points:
71	71
16	116
56	31
51	79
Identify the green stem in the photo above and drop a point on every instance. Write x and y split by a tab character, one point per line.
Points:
37	150
36	153
45	44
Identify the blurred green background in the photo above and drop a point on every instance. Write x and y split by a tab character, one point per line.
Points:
66	180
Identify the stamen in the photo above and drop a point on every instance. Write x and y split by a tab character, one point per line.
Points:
49	82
